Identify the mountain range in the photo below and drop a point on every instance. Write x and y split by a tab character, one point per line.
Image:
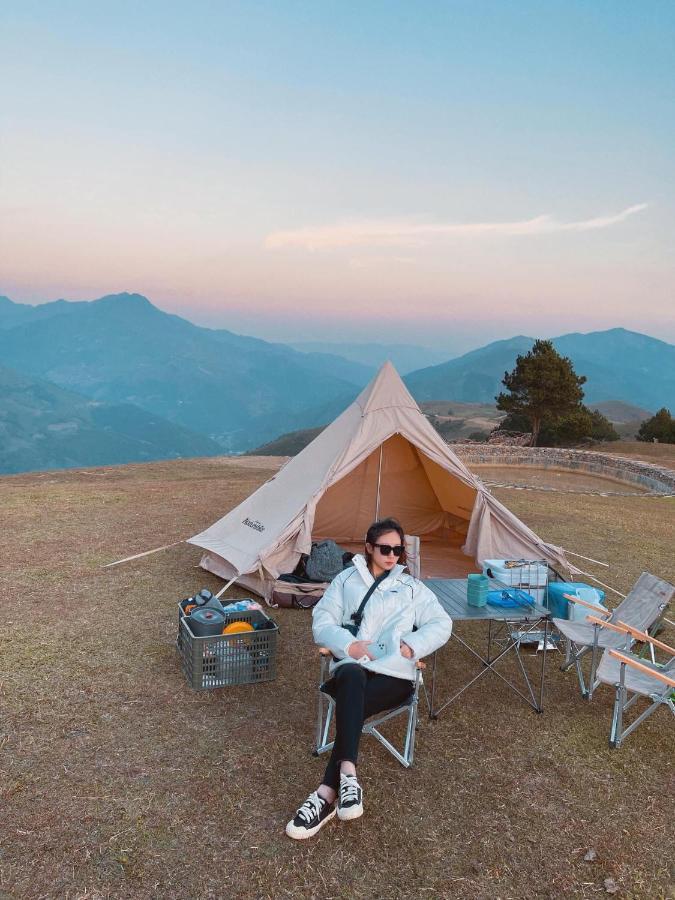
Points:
129	372
618	364
44	427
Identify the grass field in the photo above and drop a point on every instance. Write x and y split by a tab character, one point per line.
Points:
118	781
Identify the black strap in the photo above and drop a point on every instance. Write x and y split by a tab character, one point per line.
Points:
357	617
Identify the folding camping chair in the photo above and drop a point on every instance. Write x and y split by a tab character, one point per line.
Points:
642	609
371	726
633	675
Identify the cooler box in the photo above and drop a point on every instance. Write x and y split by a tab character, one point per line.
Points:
529	577
563	609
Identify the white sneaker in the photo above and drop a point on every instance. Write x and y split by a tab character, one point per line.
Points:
310	817
350	798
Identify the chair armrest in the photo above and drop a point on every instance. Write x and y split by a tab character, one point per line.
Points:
635	664
647	638
620	627
597	609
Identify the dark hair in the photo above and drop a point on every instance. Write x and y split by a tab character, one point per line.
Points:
377	529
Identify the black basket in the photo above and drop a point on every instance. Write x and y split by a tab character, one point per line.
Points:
226	659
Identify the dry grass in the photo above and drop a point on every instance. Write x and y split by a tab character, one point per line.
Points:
118	781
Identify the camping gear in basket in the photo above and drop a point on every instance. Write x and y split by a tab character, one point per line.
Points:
477	587
237	656
204	622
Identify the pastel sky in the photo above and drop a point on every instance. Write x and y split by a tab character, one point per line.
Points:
442	173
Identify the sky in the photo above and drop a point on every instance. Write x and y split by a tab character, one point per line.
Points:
439	173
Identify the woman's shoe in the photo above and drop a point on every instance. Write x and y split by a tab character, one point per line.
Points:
310	817
350	799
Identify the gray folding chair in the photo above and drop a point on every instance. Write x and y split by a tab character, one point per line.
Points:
642	609
372	725
633	678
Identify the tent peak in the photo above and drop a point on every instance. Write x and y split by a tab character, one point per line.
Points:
386	389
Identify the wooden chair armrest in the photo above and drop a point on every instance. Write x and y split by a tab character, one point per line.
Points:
621	628
597	609
647	638
635	664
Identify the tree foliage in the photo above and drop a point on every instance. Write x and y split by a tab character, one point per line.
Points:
544	388
660	427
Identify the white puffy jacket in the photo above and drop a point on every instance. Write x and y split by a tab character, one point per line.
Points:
397	604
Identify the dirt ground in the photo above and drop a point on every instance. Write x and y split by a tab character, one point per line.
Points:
118	781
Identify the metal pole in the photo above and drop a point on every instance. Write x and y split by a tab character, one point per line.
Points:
379	476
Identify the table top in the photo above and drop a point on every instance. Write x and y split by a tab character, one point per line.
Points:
451	593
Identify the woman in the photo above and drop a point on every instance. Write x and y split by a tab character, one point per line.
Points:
373	669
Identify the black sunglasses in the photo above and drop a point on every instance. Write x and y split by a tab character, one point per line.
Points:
386	549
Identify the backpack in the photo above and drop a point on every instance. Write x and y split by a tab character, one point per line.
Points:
325	561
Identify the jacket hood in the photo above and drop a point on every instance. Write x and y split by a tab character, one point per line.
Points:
361	566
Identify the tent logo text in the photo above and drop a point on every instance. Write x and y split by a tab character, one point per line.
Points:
257	525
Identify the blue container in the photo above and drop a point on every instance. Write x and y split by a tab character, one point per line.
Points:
559	606
477	587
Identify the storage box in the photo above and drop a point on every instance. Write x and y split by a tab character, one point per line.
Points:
563	609
226	659
530	577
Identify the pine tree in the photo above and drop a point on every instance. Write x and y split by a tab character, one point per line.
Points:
660	427
542	387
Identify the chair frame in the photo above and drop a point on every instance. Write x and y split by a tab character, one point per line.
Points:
622	702
574	653
326	709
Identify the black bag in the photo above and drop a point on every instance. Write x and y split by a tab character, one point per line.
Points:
357	617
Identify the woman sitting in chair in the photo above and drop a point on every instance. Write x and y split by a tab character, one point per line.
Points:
374	663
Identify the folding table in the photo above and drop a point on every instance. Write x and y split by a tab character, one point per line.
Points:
507	626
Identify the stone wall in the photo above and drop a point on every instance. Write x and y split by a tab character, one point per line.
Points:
656	479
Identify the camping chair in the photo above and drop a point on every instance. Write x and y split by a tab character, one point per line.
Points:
642	609
630	674
371	726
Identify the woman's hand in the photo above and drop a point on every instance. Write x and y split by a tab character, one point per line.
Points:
406	651
358	649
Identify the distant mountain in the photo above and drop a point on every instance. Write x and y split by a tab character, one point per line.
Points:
405	357
619	365
45	427
122	349
620	413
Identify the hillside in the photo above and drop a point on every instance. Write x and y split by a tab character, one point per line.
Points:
122	349
45	427
619	365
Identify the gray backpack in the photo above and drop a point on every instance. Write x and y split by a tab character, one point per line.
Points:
325	561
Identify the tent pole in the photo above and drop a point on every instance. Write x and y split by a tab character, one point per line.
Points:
379	476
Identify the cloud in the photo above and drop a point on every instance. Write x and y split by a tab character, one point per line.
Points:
413	232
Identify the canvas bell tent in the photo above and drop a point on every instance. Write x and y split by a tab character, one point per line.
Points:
380	457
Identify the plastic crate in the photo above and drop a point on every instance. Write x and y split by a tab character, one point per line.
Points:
226	659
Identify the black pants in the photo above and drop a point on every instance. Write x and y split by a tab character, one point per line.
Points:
358	694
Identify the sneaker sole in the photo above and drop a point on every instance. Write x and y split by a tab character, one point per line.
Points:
352	812
301	834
